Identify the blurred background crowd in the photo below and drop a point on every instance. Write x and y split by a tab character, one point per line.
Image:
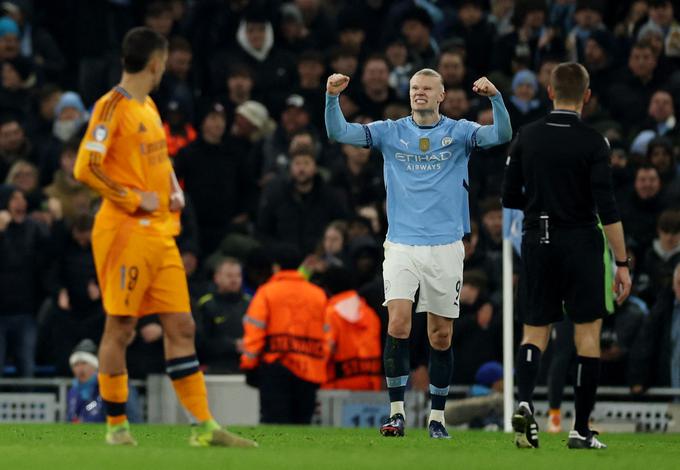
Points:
242	103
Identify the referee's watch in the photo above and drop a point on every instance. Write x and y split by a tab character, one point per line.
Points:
623	264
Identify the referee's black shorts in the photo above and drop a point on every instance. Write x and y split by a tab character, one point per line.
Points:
571	275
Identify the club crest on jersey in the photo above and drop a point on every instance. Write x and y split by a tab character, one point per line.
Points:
447	141
424	144
100	133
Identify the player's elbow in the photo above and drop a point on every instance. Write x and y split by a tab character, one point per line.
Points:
505	135
80	173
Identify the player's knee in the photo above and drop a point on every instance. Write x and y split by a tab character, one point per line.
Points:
182	330
399	328
440	339
120	331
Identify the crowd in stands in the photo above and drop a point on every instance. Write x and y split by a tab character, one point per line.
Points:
242	103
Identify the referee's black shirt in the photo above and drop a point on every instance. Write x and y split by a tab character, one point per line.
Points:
560	166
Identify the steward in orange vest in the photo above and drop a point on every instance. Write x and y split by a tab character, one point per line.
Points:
356	355
286	341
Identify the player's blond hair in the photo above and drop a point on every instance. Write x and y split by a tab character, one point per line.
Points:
430	73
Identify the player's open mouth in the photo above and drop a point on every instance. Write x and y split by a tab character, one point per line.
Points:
421	101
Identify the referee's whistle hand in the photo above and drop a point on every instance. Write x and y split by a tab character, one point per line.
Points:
622	284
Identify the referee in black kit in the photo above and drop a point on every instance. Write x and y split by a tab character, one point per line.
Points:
558	173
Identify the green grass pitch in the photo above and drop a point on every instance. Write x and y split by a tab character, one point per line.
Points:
75	447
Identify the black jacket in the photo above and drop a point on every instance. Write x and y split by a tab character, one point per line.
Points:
650	357
24	254
299	219
219	321
560	166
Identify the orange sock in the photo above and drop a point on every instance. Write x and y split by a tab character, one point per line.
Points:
114	392
193	395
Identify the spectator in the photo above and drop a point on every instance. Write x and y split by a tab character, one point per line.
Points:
477	32
219	320
355	361
79	313
74	197
661	121
375	93
10	46
317	22
655	357
17	81
530	41
252	122
416	27
272	153
69	118
296	211
456	104
159	17
600	59
24	176
293	36
179	131
213	176
656	268
401	68
451	66
632	88
24	255
40	123
13	145
524	105
640	208
84	403
501	15
284	348
310	69
661	19
273	68
660	155
483	408
177	80
239	89
476	325
358	177
351	28
588	19
36	42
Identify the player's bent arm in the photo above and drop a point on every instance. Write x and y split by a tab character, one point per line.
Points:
88	169
501	130
338	129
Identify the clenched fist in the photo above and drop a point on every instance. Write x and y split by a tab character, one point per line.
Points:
336	84
484	87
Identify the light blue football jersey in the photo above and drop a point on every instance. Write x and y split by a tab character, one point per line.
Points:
426	169
426	177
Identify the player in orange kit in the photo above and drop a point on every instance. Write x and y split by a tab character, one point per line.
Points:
124	157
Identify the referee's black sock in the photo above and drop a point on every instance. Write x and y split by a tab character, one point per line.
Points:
441	368
528	361
396	360
587	376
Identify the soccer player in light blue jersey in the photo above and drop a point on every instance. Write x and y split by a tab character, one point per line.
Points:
425	165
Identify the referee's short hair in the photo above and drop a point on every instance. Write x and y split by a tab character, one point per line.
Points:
569	82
